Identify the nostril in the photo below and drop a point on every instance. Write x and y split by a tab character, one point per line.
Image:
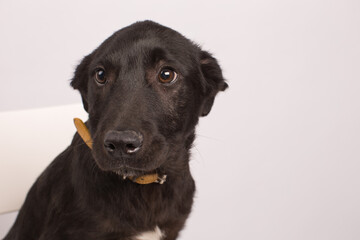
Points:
109	147
131	148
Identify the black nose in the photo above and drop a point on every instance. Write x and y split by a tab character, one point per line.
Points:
128	142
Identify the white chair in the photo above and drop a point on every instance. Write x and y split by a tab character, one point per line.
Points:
29	141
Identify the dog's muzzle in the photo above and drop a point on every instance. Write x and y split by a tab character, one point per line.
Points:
126	141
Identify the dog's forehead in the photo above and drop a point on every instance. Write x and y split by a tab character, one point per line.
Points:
147	39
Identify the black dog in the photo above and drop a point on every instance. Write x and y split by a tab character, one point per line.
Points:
144	89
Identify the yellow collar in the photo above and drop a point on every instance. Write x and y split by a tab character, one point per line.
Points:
86	137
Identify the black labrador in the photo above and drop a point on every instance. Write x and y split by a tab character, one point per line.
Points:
144	89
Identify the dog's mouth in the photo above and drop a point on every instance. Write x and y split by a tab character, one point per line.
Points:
125	166
129	167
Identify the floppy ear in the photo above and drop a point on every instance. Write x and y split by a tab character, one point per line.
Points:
214	80
80	80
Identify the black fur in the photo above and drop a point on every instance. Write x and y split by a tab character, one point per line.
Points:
80	195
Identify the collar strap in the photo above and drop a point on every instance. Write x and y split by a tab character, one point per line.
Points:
86	137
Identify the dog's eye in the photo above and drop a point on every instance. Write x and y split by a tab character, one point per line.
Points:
167	75
100	76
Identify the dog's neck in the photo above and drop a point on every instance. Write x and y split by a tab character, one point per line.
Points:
86	137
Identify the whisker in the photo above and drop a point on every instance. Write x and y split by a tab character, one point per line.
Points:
201	156
207	137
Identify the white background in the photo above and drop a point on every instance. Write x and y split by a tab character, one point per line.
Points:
277	158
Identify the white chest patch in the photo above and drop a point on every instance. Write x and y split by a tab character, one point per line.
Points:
157	234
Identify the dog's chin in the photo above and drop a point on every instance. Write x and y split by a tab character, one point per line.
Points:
128	172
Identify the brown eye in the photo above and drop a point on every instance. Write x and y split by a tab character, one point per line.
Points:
100	76
167	75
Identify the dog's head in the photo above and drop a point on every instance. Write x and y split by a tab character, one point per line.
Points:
144	89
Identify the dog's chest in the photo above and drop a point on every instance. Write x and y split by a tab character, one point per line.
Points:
156	234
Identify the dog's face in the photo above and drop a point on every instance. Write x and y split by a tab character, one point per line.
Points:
144	89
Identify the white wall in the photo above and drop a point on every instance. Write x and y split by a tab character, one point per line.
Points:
278	157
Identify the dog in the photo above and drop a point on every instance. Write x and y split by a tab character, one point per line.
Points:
144	89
